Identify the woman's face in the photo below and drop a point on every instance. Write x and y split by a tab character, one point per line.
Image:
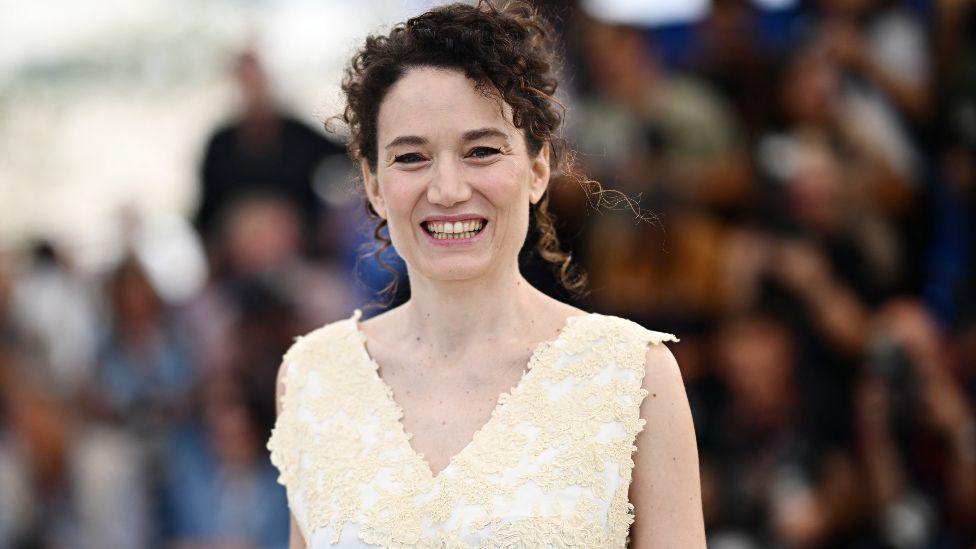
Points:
453	178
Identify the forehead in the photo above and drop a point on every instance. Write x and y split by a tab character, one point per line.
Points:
434	101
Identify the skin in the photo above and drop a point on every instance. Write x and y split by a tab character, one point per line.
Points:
472	321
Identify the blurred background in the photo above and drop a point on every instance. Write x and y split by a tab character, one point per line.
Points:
173	213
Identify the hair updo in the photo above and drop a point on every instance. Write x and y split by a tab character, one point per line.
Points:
507	52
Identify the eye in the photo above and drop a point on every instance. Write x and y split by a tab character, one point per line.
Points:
408	158
483	152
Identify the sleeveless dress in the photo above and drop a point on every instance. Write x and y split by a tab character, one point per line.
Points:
550	468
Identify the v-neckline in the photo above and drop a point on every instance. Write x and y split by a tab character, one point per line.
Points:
501	403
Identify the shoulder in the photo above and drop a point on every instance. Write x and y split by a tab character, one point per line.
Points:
666	487
323	345
346	328
648	349
626	329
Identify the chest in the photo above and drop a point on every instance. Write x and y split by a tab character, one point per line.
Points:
444	405
550	459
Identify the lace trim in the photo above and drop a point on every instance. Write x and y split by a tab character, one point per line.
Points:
501	403
332	399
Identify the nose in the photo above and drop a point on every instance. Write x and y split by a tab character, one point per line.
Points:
447	185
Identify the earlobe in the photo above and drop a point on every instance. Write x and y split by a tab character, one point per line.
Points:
372	189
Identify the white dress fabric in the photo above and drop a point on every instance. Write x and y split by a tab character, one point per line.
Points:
550	468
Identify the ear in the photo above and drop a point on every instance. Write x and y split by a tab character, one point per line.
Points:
372	188
540	174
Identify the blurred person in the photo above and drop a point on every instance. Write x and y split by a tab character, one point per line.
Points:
262	152
262	331
878	54
730	54
35	447
829	322
260	239
648	128
246	316
143	375
219	487
770	479
671	138
917	433
837	189
140	389
402	430
55	310
883	45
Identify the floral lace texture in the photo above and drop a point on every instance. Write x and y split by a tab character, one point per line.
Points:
550	468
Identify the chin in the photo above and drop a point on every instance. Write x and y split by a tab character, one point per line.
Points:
456	269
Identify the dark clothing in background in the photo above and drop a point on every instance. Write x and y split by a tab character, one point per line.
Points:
281	165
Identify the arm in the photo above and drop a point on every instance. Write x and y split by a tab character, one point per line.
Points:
666	488
295	539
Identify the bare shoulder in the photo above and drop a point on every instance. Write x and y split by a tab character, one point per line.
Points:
666	486
391	321
557	312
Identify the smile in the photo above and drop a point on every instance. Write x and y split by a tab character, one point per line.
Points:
457	230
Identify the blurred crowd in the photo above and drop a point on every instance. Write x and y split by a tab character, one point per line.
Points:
807	182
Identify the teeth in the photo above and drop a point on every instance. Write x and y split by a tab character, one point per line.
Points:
458	229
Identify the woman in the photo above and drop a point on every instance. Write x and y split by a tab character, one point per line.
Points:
445	422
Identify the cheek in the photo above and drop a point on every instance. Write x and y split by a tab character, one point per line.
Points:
505	186
400	194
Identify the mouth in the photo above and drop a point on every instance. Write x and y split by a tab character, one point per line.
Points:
456	230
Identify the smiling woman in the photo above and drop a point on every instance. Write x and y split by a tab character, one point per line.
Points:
508	58
451	153
481	412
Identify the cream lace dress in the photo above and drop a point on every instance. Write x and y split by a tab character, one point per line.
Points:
550	468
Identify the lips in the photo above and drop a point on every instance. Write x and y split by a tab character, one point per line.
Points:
447	230
457	228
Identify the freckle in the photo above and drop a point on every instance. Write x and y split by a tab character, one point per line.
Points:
418	338
443	422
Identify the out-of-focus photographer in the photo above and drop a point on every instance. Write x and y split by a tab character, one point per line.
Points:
916	432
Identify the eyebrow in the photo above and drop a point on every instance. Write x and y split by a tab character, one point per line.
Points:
474	135
470	135
407	140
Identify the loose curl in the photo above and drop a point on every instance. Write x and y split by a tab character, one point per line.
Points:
507	52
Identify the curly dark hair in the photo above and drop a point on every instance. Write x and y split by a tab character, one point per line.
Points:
507	52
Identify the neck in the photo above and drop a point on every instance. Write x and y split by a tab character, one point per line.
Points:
452	317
